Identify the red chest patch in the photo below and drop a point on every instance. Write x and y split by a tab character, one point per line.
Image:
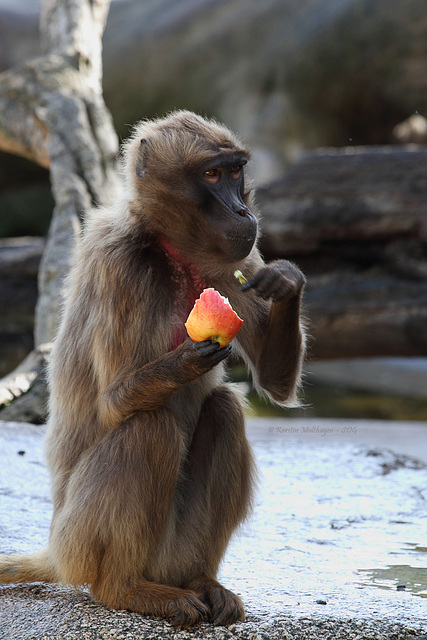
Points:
188	285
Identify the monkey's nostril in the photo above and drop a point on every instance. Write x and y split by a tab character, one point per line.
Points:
239	209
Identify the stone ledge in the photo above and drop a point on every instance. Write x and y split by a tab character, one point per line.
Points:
334	505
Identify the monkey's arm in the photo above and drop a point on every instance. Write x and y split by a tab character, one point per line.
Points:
151	386
275	345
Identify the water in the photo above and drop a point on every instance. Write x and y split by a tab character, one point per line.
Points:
411	578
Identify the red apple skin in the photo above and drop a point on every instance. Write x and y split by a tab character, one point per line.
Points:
212	318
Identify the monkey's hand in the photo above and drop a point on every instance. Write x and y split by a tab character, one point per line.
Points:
278	281
197	358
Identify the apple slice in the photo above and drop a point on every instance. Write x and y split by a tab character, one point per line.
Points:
212	318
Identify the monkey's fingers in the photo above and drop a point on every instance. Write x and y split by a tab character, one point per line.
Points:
258	281
277	287
271	283
212	349
248	285
188	612
225	606
206	347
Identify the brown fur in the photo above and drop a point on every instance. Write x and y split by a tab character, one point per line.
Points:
151	469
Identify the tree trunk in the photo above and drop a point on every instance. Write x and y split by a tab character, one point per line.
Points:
52	111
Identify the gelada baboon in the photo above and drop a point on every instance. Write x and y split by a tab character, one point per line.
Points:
151	469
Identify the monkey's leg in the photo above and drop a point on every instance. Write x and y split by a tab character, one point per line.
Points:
217	497
114	514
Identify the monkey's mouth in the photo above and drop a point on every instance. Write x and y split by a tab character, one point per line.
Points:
243	236
234	224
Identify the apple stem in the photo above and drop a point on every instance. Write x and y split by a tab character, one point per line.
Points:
239	275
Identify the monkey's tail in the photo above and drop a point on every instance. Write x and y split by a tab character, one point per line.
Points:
36	567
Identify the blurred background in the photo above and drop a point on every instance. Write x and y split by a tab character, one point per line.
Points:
325	93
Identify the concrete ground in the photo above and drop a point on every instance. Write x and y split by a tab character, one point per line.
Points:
340	522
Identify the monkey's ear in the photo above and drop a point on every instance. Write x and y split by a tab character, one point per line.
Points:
140	161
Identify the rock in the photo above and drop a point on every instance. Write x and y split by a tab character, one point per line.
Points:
19	263
23	393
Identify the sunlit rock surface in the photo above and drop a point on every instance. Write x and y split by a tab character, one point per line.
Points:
339	524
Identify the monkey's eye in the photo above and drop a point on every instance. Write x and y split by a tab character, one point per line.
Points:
212	175
235	171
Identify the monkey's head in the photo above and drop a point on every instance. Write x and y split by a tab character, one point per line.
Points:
187	179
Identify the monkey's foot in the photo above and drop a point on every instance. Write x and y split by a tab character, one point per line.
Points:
225	607
186	611
181	607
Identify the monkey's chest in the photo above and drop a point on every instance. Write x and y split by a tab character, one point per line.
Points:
186	288
184	285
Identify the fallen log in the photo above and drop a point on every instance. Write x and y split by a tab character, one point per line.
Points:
355	221
356	198
366	315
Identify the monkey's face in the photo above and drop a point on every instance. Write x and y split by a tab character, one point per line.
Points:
232	225
191	188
